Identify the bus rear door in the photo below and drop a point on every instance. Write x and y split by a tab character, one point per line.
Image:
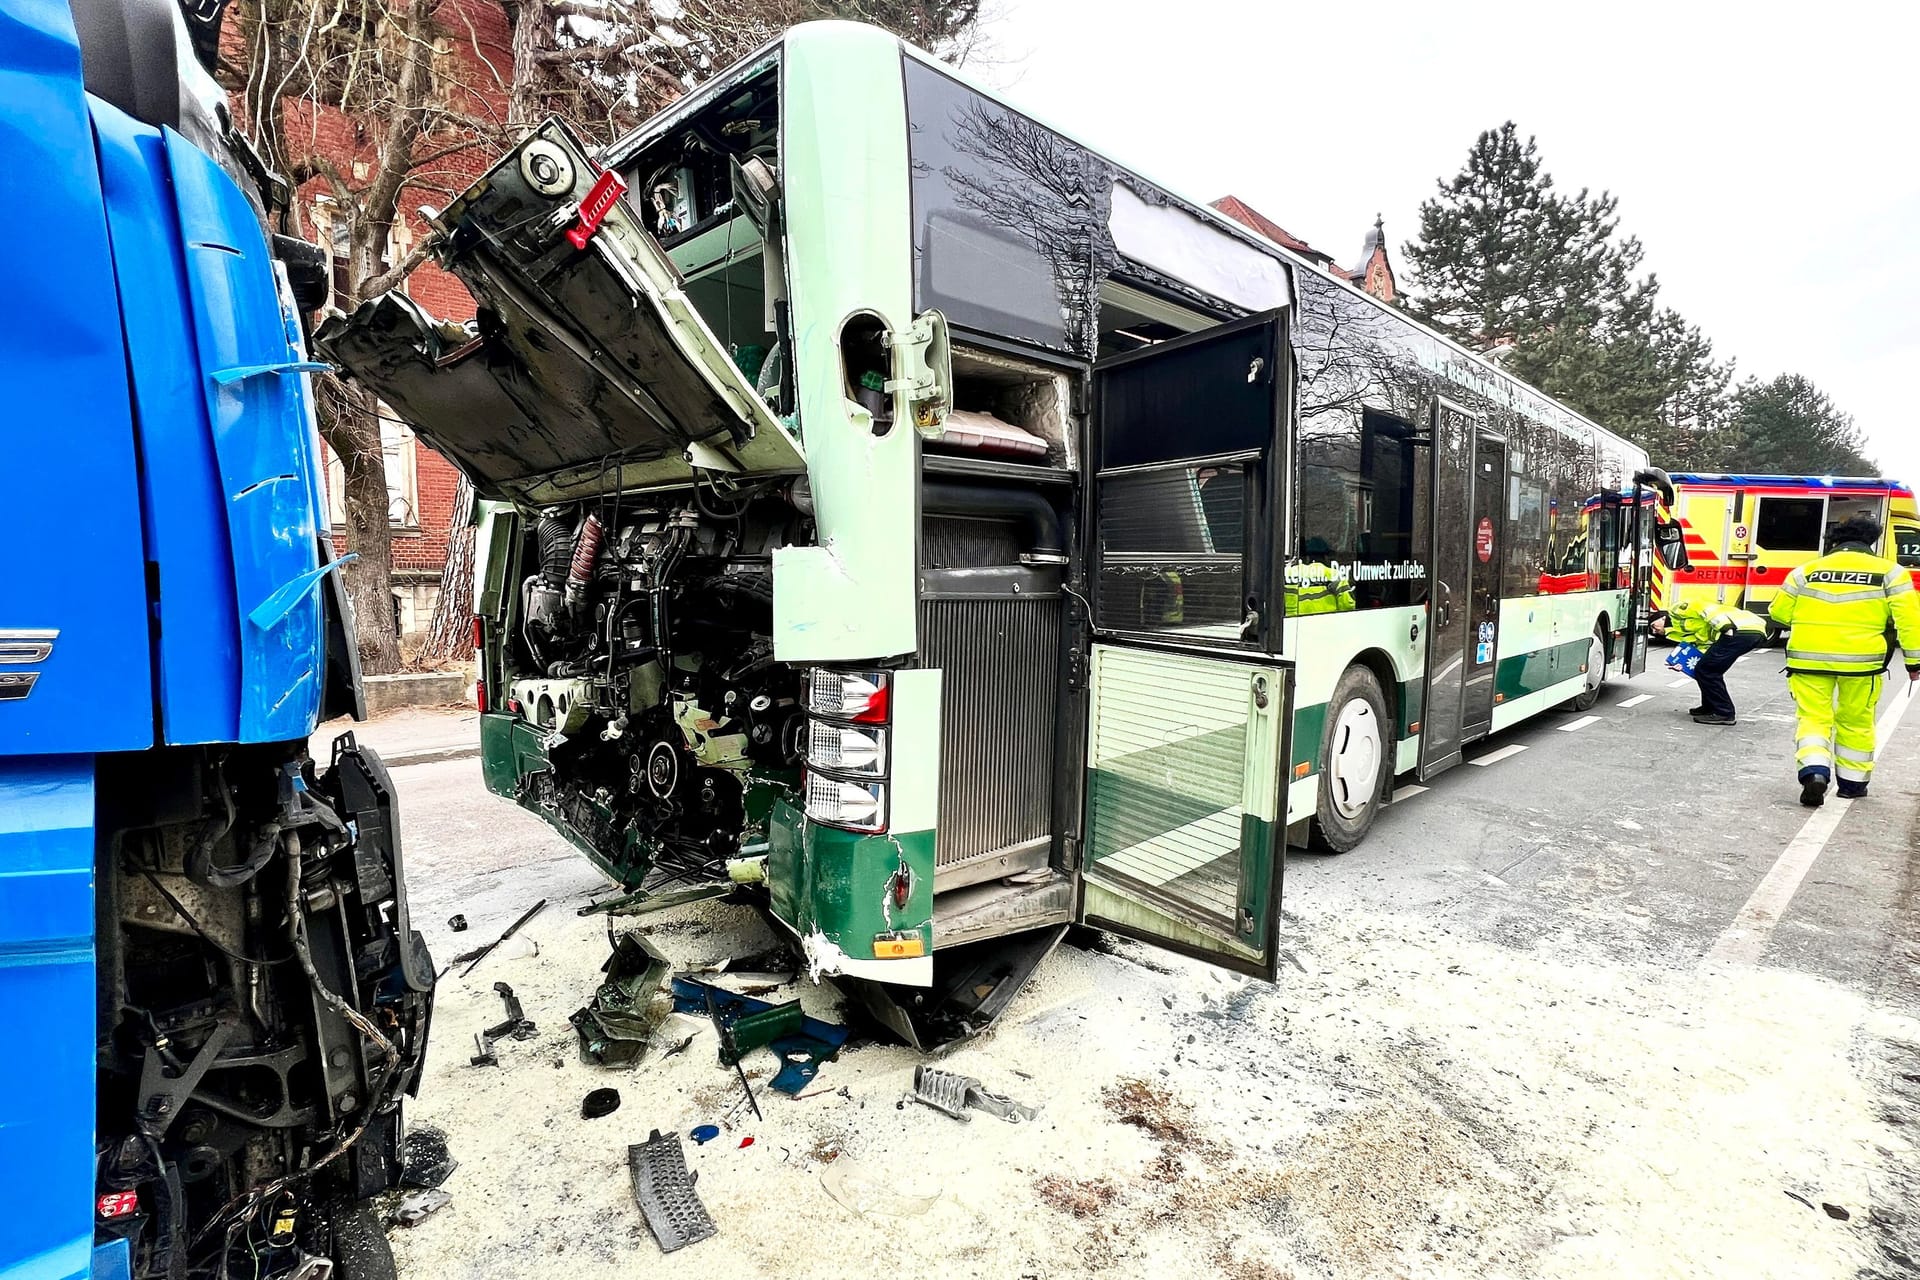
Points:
1489	518
1453	623
1189	711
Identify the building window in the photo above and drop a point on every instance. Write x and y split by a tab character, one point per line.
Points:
398	455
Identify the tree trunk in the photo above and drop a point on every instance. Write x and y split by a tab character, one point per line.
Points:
526	17
352	430
450	635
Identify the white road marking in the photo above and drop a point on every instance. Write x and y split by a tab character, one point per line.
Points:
1745	940
1681	683
1581	723
1408	792
1637	700
1495	757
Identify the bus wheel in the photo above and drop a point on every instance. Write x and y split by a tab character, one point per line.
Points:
1355	766
1596	672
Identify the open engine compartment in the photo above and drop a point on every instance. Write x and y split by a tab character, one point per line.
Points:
640	648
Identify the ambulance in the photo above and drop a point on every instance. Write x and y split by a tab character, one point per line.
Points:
1744	534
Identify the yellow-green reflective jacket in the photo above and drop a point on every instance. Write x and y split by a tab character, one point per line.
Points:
1839	607
1315	587
1701	622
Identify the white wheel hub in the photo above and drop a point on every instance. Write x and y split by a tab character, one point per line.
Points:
1596	661
1353	758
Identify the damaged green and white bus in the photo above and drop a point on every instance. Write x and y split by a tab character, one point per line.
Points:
896	498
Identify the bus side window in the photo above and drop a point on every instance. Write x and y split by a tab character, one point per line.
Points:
1358	472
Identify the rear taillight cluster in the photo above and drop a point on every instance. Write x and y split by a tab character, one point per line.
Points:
847	763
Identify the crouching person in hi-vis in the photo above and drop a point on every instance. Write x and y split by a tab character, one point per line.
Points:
1839	608
1725	634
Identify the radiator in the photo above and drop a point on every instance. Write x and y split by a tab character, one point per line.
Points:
999	709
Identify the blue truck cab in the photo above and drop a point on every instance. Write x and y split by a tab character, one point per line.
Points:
205	953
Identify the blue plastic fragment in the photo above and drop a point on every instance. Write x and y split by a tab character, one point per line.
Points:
704	1134
800	1053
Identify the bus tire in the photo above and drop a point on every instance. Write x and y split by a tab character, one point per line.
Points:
1355	762
1596	672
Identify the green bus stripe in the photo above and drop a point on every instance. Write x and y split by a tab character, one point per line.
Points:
1525	673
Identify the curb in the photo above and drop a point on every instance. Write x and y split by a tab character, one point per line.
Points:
431	755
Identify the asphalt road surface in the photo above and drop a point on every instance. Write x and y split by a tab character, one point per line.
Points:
1605	1000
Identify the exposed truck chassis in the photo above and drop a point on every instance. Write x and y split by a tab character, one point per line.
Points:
263	1009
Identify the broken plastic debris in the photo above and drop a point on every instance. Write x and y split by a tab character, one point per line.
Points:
418	1206
600	1102
426	1161
704	1133
618	1022
746	1141
458	924
866	1192
663	1189
800	1042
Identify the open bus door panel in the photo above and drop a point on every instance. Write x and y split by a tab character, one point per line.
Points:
1189	715
1453	626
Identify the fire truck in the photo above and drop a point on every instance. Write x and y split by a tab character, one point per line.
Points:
1744	534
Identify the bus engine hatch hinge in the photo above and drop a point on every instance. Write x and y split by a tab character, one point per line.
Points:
923	372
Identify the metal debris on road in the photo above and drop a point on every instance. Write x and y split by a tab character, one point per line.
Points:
477	956
618	1023
599	1102
458	924
730	1052
663	1189
517	1025
953	1094
418	1206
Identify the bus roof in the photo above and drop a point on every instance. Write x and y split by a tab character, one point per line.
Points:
623	150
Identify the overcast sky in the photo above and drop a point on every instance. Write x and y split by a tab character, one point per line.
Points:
1770	164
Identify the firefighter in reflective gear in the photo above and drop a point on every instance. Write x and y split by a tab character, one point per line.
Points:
1317	585
1839	608
1725	634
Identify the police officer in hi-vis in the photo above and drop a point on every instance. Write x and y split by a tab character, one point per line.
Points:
1839	608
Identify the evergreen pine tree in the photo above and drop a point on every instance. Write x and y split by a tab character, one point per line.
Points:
1504	260
1788	426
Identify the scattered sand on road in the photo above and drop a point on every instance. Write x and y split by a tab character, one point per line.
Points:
1406	1102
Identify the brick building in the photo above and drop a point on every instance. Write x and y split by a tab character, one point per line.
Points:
1373	273
472	69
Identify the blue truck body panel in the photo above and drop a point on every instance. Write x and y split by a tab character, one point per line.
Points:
197	642
47	993
160	519
71	554
263	441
